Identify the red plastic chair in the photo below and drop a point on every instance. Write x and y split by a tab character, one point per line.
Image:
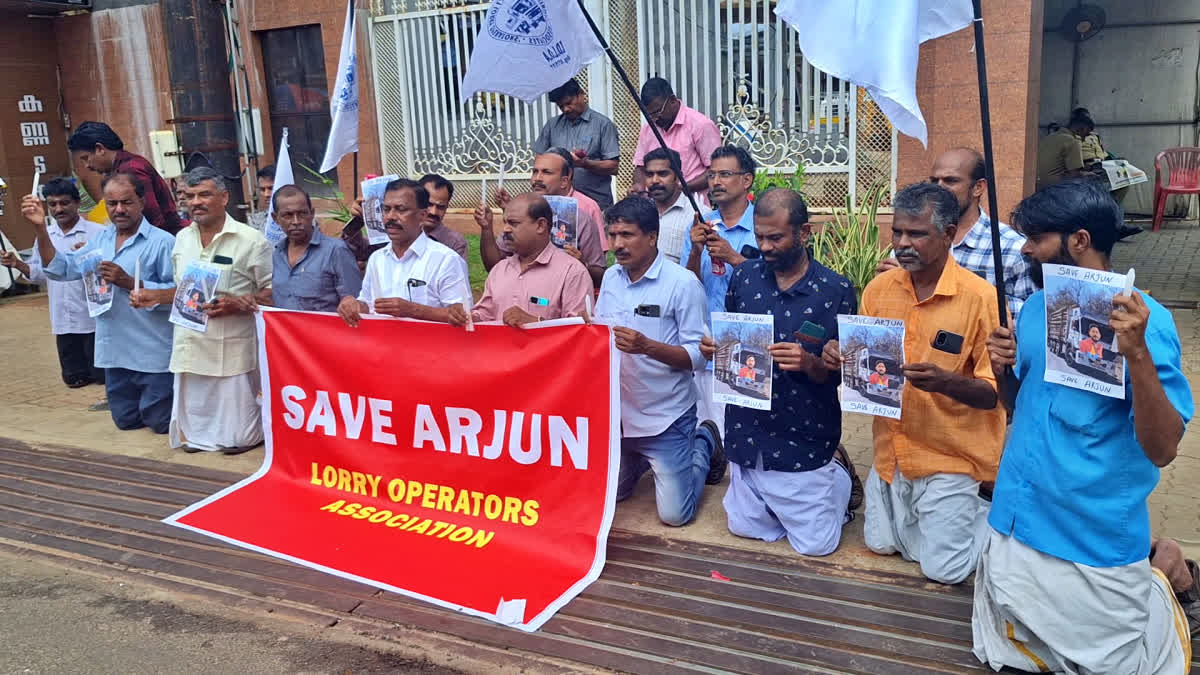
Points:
1182	168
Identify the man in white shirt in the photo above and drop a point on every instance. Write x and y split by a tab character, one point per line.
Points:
414	277
74	330
675	213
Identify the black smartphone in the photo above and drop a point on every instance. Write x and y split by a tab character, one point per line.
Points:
648	310
222	260
948	342
751	253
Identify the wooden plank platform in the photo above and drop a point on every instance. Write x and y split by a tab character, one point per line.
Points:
656	608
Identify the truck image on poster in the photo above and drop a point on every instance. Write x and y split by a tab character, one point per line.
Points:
1086	343
875	375
872	355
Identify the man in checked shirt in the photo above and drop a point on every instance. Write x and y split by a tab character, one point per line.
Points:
960	171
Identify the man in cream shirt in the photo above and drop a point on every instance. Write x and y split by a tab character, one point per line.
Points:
216	371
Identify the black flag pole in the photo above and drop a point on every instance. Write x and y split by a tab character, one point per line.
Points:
636	98
989	163
355	198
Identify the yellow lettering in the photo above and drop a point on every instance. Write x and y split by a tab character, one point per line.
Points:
316	477
445	496
344	481
512	510
396	489
492	507
364	512
334	506
430	494
421	527
530	517
349	509
329	476
463	505
360	483
396	520
374	479
481	538
380	516
464	531
414	489
414	523
477	497
438	527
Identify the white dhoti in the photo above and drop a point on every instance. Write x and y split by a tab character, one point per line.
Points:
808	507
215	413
938	521
705	408
1036	612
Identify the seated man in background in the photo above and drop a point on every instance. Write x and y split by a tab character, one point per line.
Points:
539	281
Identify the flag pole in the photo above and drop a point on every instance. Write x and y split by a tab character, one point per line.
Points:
989	163
355	176
637	99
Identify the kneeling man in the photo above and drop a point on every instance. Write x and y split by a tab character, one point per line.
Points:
659	314
1064	583
923	491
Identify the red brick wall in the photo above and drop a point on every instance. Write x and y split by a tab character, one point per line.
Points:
949	98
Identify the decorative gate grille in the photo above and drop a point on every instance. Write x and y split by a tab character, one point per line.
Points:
731	59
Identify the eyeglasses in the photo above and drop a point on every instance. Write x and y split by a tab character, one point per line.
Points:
725	175
656	115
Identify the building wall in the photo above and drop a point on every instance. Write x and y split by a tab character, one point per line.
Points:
948	94
260	15
27	71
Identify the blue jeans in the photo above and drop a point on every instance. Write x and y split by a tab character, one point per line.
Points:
679	458
138	399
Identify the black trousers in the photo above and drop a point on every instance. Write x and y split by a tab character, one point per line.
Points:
77	357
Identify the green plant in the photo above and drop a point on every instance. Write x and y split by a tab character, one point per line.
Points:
850	244
340	210
765	179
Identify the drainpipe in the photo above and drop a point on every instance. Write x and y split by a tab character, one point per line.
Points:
201	99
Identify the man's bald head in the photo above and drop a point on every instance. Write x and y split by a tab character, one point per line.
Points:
527	222
788	201
962	172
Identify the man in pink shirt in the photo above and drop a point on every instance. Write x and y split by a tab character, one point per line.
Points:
539	281
686	131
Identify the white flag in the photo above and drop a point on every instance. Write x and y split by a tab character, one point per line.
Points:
874	44
528	47
283	176
343	107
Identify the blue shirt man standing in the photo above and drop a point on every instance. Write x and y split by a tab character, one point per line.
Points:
658	315
1063	582
784	478
132	345
310	272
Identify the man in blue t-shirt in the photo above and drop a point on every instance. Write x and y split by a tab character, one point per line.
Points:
1064	582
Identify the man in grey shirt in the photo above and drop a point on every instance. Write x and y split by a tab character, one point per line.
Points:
311	271
591	138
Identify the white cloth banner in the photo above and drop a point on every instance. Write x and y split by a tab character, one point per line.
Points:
343	107
874	44
283	176
528	47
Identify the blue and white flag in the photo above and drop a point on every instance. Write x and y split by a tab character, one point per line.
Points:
343	107
283	176
528	47
874	44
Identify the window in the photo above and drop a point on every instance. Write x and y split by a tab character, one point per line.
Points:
298	98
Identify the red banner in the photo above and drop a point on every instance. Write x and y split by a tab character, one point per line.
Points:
475	470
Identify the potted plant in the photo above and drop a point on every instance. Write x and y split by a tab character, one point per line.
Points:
850	244
764	179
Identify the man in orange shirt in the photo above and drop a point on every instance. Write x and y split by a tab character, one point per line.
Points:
922	494
1091	345
879	378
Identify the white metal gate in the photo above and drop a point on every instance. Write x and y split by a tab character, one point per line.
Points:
731	59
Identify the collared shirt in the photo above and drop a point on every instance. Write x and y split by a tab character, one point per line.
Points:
326	273
692	135
587	233
68	304
1074	480
654	395
974	254
935	433
589	207
229	345
741	234
160	202
428	274
592	132
1092	149
674	228
1057	154
133	339
802	429
448	237
559	283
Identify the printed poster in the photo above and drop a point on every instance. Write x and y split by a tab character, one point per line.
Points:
99	293
372	208
1081	347
565	228
196	289
872	355
440	490
742	371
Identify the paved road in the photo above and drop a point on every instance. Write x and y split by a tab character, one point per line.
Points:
61	621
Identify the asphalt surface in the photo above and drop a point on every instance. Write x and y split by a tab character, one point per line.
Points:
57	620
